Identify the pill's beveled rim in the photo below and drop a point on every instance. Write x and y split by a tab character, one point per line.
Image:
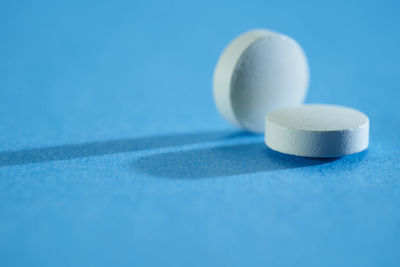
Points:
319	156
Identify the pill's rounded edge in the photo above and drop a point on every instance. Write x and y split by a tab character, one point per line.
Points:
225	70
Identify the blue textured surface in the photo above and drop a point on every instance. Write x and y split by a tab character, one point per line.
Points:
112	152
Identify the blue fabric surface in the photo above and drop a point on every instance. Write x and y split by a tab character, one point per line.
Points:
113	154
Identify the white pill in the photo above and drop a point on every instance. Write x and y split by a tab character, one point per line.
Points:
317	131
258	72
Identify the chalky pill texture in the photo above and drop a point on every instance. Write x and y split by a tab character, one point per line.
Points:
258	72
317	131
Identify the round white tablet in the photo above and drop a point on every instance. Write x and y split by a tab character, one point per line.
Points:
317	131
258	72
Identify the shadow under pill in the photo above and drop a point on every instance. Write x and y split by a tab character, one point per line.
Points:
108	147
220	161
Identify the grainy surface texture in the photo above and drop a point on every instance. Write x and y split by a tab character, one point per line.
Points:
112	152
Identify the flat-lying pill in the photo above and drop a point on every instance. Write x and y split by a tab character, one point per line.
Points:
258	72
317	131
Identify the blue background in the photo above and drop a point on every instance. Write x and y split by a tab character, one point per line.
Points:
112	152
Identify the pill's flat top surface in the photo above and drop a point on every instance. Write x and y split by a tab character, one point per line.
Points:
112	152
319	118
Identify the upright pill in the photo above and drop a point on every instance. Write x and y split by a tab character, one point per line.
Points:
317	131
258	72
